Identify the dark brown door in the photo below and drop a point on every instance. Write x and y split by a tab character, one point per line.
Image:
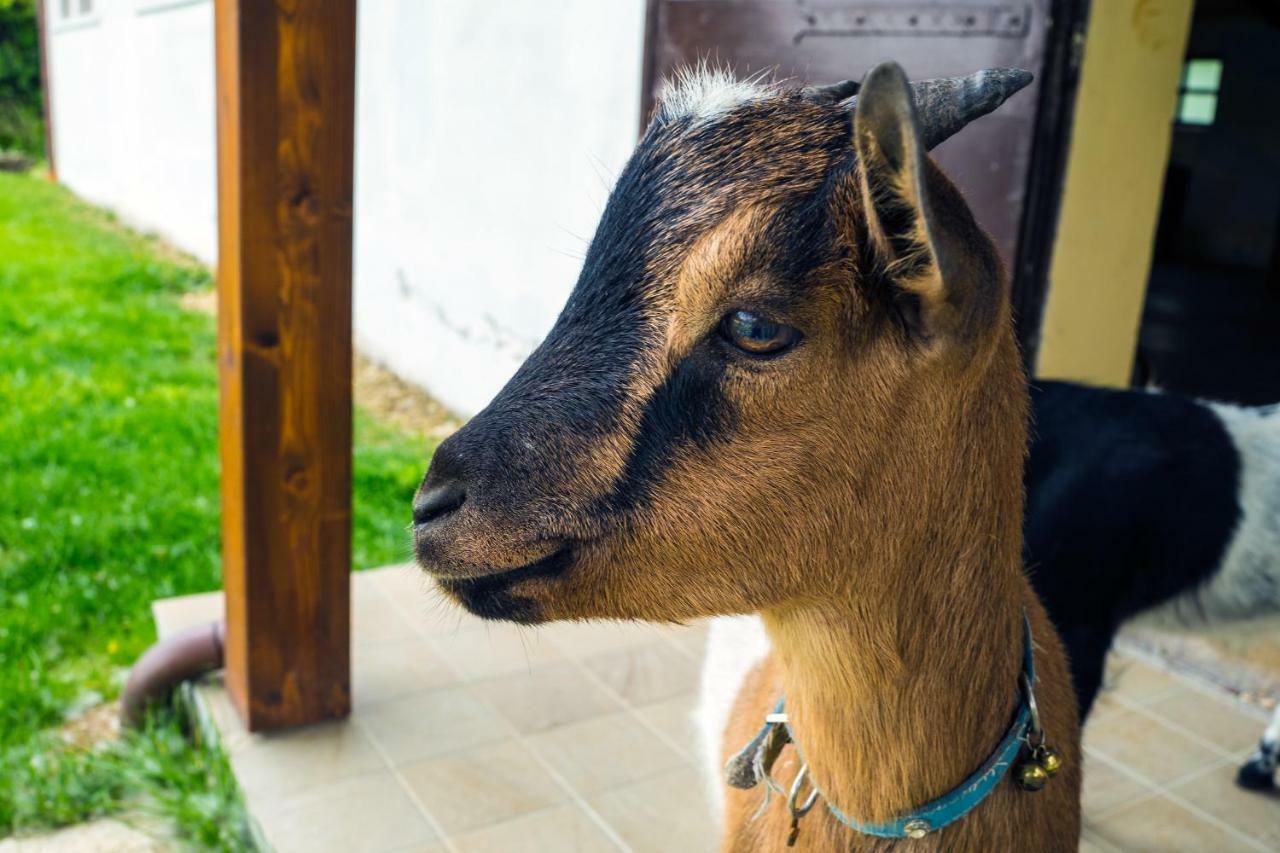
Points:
993	161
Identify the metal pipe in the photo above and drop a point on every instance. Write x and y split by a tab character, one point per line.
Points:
184	656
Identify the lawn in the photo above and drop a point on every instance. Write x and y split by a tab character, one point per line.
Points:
109	499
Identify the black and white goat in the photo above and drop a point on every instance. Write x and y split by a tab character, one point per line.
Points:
1151	503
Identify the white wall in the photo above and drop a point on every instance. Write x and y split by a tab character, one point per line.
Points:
487	135
133	113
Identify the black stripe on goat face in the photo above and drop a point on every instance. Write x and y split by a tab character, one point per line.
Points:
690	408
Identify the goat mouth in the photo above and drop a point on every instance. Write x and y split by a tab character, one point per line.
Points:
491	596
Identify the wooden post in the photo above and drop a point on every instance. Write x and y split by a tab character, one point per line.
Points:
46	86
286	115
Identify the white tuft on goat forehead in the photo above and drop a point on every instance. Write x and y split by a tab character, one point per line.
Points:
704	93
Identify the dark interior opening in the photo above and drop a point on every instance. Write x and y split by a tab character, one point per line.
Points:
1211	323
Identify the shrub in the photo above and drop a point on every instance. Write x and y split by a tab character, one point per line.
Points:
21	115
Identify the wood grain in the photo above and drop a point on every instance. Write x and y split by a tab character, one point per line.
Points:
285	102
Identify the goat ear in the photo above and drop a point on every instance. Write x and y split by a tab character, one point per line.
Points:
903	227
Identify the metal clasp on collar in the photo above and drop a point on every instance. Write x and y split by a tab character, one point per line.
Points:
797	808
1035	731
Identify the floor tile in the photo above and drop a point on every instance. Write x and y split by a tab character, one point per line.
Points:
496	649
1212	719
674	718
478	787
582	639
425	847
1147	747
432	723
604	752
367	813
101	835
273	766
1105	787
558	693
1160	825
690	638
1255	813
645	674
564	829
1137	681
174	615
1106	703
374	619
399	583
390	670
1090	843
420	602
434	617
662	813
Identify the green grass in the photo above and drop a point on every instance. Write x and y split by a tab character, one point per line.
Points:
164	773
109	494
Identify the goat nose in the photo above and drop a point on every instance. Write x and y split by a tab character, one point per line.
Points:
437	502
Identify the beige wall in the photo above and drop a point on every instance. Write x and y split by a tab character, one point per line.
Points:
1111	200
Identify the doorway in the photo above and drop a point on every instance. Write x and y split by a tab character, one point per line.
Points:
1211	321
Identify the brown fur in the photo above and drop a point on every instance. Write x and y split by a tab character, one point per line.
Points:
867	500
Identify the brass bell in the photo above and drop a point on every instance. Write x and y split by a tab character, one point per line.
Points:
1048	758
1031	776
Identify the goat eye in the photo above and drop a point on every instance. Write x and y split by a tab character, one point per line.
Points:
756	335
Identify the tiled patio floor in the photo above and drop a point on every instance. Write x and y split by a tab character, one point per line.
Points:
469	736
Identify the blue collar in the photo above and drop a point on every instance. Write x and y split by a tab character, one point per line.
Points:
751	765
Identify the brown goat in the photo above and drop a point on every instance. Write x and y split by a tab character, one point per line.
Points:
786	384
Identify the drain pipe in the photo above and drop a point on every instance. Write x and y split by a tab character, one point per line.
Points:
184	656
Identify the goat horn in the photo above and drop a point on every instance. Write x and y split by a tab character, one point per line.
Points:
832	94
943	106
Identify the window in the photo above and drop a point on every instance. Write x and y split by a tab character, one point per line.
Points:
74	14
1198	91
74	10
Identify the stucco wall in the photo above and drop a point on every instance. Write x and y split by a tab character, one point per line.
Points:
487	137
133	114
